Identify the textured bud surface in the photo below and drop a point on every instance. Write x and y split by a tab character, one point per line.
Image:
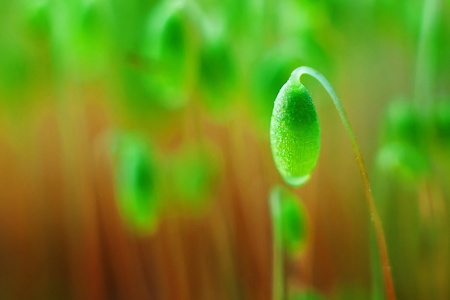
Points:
294	133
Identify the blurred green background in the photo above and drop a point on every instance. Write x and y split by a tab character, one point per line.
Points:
135	159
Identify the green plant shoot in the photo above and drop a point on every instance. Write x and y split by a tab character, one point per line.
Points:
295	141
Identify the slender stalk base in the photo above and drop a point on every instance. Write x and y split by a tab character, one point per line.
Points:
277	256
379	234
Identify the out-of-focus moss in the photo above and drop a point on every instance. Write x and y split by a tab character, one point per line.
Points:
217	74
146	92
16	69
294	224
166	53
403	123
403	161
38	19
92	38
440	123
136	182
292	220
305	295
195	175
128	22
271	72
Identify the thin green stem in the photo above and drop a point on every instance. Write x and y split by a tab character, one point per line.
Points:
277	255
381	241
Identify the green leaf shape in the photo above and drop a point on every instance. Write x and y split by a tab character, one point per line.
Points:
294	133
292	220
136	182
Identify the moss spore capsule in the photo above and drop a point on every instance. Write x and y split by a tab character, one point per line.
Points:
294	132
295	141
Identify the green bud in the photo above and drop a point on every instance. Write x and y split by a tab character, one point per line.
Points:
294	133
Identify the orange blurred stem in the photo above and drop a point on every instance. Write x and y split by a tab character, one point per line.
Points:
379	234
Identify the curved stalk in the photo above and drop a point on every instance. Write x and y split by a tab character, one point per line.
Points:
277	256
379	234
